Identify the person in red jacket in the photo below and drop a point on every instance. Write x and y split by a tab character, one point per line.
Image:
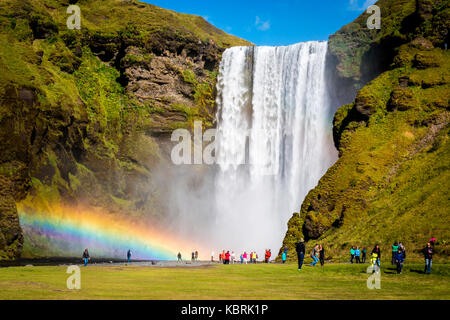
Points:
227	257
268	255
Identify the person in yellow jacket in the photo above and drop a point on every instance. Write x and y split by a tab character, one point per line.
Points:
254	257
374	260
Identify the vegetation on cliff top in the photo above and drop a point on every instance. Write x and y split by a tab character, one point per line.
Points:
361	54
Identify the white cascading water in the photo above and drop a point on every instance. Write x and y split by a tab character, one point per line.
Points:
273	140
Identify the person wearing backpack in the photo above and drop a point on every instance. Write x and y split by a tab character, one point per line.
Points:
377	250
399	259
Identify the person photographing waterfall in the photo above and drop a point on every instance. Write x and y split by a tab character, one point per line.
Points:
314	254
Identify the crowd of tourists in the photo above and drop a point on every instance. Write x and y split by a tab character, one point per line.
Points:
359	256
227	257
317	255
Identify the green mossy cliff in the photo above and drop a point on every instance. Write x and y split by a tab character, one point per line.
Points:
84	113
391	181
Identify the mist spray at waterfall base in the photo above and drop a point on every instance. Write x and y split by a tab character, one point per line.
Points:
273	144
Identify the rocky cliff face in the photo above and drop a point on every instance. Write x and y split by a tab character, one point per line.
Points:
391	180
83	113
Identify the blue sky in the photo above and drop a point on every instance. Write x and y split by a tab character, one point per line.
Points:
273	22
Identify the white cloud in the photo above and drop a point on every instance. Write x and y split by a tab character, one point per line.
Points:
354	5
208	20
262	25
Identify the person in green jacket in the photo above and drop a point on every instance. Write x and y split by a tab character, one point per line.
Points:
364	254
352	254
394	251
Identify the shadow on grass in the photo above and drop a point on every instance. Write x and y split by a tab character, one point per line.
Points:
390	271
417	271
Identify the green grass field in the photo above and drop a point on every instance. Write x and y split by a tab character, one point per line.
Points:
261	281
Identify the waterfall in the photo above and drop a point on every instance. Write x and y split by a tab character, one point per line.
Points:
273	141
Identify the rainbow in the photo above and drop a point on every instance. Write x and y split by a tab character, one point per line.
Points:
69	230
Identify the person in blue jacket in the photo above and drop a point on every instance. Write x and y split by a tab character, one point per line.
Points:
283	257
129	255
86	257
314	255
357	255
399	259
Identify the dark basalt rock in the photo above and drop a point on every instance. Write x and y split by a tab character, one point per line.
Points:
423	60
11	238
401	99
365	105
